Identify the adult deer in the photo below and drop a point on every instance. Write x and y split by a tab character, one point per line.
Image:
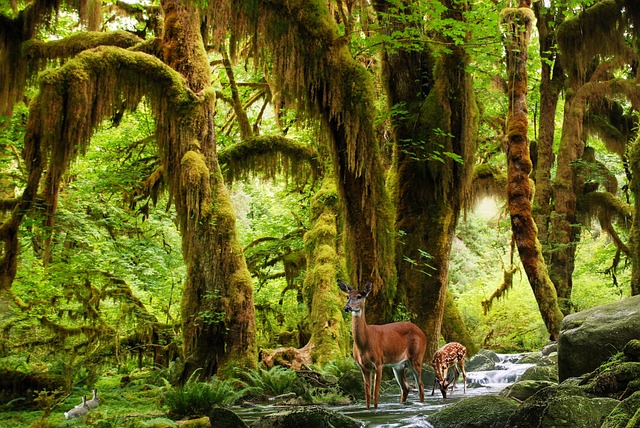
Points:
449	355
399	345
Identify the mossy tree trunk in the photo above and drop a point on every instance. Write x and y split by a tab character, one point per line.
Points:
551	84
330	337
219	324
438	117
593	44
517	25
311	64
634	234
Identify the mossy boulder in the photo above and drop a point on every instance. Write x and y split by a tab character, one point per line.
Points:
475	412
561	406
525	388
531	358
614	379
548	373
590	337
632	350
626	414
311	416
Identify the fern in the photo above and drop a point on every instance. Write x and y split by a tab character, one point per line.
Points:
199	398
260	383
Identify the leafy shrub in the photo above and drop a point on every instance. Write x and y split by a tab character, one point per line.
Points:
262	383
199	398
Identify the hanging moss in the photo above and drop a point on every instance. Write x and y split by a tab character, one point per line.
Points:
272	156
311	64
196	186
597	31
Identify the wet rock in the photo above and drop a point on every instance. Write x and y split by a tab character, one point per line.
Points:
313	416
590	337
483	361
475	412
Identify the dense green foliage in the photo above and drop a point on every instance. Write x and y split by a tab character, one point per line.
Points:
96	297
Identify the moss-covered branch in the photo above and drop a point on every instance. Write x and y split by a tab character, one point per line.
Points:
270	155
38	52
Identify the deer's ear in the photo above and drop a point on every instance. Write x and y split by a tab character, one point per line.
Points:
368	287
344	286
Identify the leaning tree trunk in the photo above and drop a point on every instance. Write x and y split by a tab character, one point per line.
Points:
311	64
430	187
517	24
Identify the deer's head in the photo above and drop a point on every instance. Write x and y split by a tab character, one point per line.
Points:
355	298
444	385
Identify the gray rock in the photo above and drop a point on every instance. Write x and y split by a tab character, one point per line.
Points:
590	337
482	361
550	348
475	412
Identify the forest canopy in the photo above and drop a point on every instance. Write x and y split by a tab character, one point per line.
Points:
184	183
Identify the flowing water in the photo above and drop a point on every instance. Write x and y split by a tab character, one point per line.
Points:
413	414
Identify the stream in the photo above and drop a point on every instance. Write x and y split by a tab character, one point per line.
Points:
412	413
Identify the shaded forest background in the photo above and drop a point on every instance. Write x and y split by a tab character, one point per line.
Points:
187	182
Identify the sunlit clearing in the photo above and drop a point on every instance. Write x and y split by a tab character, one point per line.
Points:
487	208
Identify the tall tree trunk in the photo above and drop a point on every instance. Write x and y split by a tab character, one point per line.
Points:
330	338
217	307
430	186
551	84
517	26
634	234
565	231
312	64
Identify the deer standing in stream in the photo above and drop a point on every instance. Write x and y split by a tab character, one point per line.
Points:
399	345
449	355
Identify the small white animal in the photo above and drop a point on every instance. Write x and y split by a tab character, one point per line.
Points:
95	401
79	410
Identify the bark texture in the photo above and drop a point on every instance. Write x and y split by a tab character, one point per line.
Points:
551	84
438	117
517	25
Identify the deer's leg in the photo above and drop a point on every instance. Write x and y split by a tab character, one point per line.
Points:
464	376
398	373
416	369
376	389
456	373
366	376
